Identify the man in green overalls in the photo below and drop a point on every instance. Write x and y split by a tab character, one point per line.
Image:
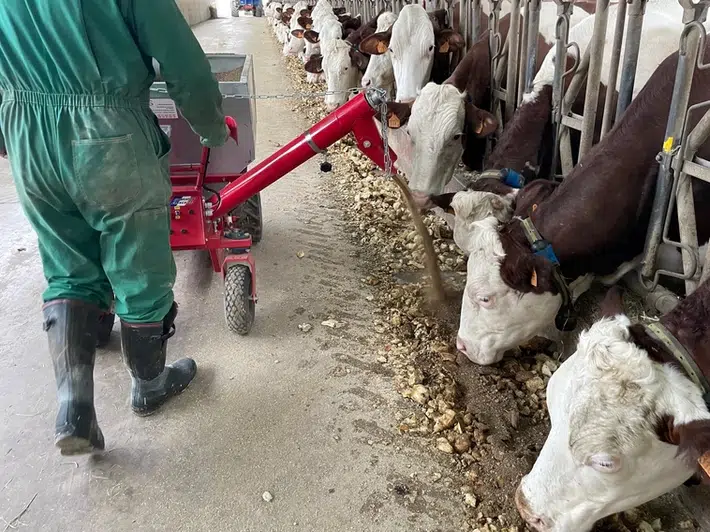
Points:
90	164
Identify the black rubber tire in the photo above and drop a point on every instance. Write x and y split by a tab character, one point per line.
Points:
249	214
103	336
239	307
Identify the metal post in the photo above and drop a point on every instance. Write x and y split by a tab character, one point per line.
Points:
523	54
475	20
631	55
687	57
513	40
594	76
465	23
614	67
533	31
564	11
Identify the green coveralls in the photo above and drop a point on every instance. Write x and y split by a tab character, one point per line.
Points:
89	159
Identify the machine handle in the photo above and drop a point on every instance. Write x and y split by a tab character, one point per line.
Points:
232	126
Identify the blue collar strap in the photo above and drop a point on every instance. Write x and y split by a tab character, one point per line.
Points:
506	176
540	246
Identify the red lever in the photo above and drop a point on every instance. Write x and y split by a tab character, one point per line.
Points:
232	125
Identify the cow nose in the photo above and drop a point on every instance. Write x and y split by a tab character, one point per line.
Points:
366	82
538	524
460	345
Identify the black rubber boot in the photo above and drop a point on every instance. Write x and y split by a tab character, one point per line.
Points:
144	350
71	328
105	327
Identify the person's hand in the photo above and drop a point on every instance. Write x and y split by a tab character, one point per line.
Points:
232	128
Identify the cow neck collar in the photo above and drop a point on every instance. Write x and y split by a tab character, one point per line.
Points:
658	332
566	318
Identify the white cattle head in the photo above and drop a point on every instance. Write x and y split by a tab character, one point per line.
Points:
295	43
340	63
411	43
510	295
379	71
471	206
436	125
625	430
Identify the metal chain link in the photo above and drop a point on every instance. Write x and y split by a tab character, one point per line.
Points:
307	95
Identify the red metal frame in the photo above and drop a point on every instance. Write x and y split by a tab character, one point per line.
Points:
200	224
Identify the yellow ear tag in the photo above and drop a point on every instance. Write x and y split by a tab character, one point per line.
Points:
668	145
534	207
704	462
479	128
444	47
393	121
533	279
381	47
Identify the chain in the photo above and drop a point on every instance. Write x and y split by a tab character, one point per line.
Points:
307	95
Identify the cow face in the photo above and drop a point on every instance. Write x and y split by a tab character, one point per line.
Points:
341	72
295	43
507	299
611	446
379	71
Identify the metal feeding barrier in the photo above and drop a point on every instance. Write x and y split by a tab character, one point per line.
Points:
679	163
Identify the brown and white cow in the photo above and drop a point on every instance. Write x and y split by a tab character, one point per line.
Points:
595	221
628	422
418	44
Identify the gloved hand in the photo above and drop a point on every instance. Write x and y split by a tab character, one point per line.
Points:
232	127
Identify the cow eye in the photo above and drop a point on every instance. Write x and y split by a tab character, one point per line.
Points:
485	301
431	47
457	136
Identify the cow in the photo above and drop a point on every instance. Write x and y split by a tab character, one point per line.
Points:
379	72
628	422
295	43
594	221
522	141
340	61
418	44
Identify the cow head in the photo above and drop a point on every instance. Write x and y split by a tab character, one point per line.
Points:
511	295
341	65
379	71
295	43
436	128
625	430
411	44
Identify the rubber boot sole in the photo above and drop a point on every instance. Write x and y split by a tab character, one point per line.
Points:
152	409
73	445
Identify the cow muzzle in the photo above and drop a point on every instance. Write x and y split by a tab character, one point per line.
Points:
535	522
422	200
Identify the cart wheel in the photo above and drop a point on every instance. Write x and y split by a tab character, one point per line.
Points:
238	303
105	327
249	214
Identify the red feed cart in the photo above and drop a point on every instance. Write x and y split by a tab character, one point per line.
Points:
216	205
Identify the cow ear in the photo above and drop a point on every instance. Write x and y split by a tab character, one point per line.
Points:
613	304
304	12
298	33
312	36
693	441
377	43
305	22
484	123
359	60
525	272
398	114
443	201
449	41
315	64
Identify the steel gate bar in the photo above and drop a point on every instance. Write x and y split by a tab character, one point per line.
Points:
688	58
607	120
513	43
564	11
533	31
523	52
631	54
594	76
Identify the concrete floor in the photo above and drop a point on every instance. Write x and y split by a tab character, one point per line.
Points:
308	417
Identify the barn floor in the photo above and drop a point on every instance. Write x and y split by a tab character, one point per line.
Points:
306	417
